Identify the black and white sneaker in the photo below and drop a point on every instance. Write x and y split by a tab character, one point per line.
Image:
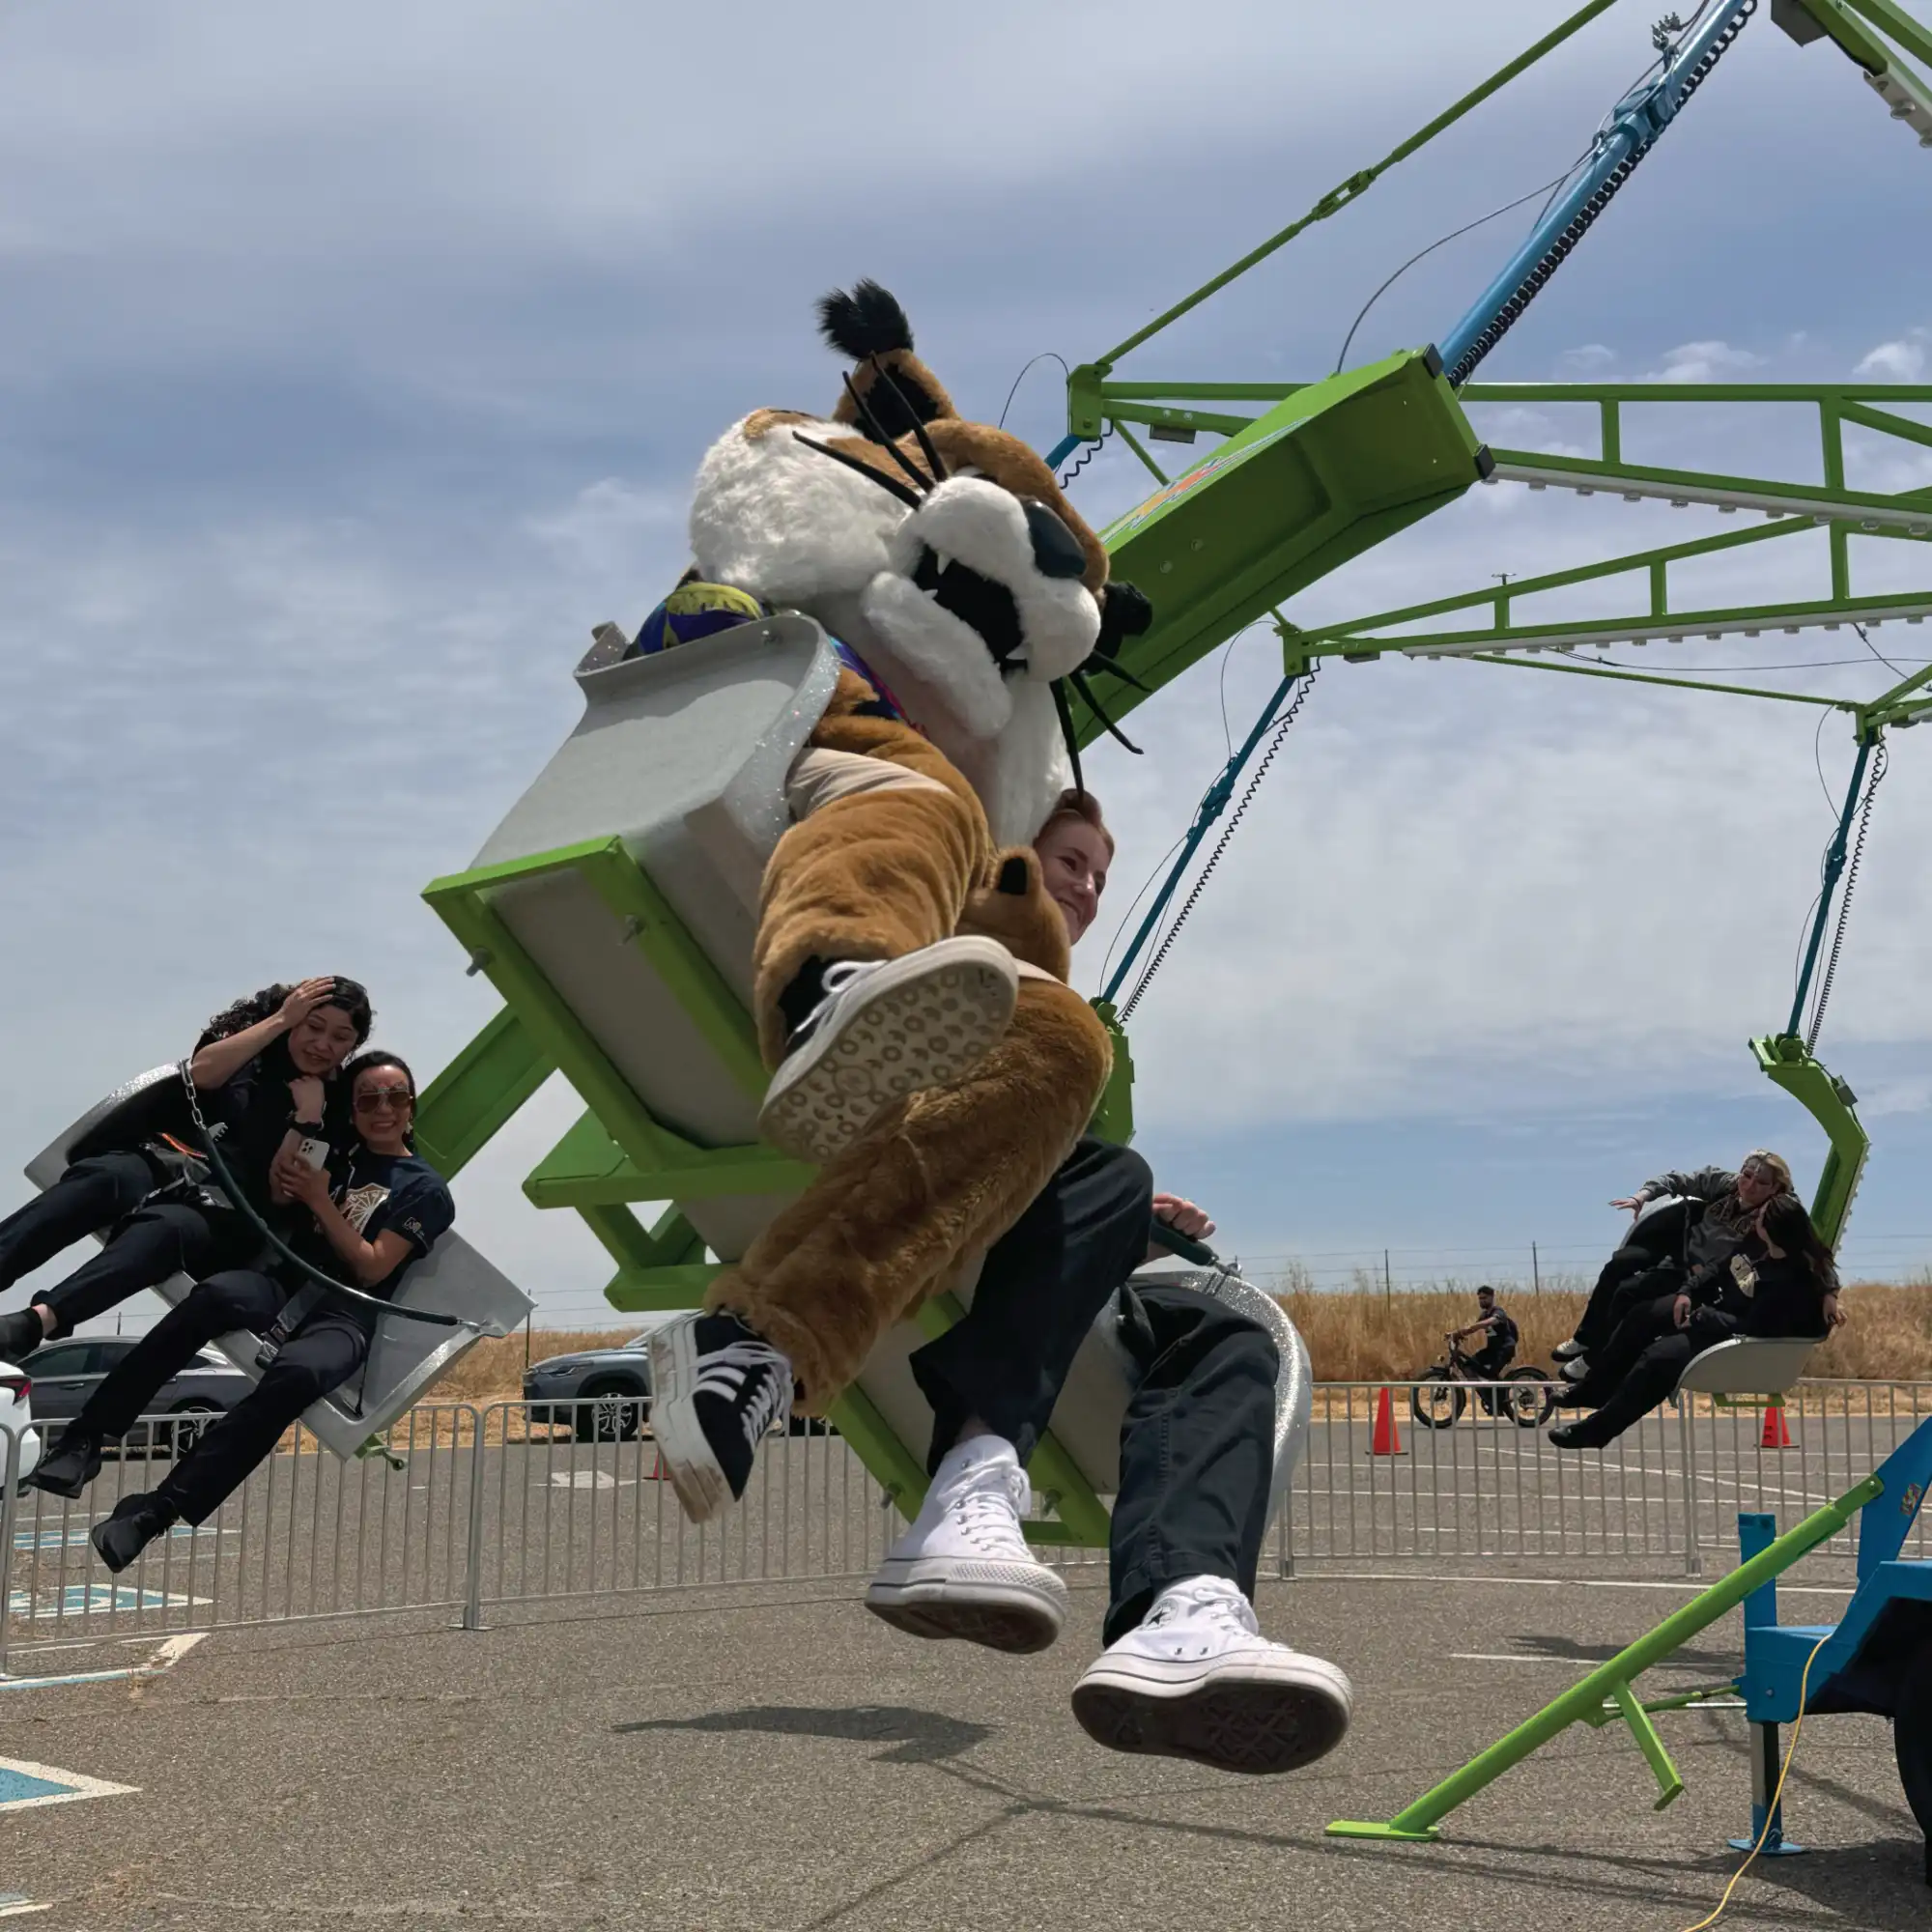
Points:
883	1029
1568	1352
717	1388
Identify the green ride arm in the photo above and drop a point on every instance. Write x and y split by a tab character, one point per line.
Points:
1612	1680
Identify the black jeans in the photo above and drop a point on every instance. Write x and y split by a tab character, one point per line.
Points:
1041	1285
1198	1441
1639	1366
1197	1450
320	1356
1656	1241
164	1238
90	1197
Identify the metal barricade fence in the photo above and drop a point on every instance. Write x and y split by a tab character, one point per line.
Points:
1666	1496
465	1507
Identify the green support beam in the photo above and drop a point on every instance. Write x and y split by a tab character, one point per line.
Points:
477	1093
1583	1702
1830	1103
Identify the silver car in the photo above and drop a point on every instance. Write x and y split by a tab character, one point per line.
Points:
604	1394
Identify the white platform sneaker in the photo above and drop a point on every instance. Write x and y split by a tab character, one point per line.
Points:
963	1569
1198	1680
886	1028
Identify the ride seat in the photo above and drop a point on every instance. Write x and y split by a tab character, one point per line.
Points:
1745	1365
406	1357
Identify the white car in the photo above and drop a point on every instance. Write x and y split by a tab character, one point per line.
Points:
17	1418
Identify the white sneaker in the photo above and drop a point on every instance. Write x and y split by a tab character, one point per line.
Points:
1576	1369
1568	1352
964	1569
885	1028
1198	1680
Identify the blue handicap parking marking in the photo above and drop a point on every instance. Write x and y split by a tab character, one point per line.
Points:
95	1600
74	1536
24	1785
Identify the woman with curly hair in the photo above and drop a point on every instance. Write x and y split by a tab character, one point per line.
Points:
261	1070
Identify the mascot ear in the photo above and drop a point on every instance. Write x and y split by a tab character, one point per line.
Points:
1125	613
868	326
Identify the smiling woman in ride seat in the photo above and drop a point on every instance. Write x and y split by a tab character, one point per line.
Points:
375	1213
260	1072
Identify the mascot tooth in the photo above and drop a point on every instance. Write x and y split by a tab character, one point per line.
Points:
929	1059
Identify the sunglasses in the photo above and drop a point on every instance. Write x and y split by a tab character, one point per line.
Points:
376	1099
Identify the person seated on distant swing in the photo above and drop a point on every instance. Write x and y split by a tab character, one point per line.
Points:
262	1072
1777	1279
1186	1672
1714	1208
375	1212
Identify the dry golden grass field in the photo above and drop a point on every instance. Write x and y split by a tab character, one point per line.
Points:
1362	1336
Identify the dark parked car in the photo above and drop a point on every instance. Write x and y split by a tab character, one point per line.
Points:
67	1372
610	1389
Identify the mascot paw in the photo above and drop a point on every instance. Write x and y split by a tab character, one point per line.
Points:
1017	912
983	584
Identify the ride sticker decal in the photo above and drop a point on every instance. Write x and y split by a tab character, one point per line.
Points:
360	1203
1226	458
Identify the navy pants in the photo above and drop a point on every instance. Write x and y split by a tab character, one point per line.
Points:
1197	1446
88	1199
320	1356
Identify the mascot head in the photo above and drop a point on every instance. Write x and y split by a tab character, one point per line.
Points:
942	551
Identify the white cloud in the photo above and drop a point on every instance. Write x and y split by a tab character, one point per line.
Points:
1901	361
1588	360
1709	361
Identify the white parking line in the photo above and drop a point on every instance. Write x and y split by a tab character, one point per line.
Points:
167	1654
24	1786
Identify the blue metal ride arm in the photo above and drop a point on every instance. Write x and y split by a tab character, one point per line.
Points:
1636	123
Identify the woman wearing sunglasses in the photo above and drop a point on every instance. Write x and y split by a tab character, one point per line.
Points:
378	1213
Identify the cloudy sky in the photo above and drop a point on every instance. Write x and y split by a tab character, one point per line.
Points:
353	363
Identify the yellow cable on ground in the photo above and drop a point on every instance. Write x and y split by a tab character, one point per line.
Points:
1771	1810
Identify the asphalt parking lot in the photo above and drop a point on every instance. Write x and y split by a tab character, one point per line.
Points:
774	1758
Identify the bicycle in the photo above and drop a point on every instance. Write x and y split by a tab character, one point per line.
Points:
1440	1393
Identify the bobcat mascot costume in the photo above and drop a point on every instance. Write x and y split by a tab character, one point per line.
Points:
910	974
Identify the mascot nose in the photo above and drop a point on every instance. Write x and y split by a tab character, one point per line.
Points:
1056	549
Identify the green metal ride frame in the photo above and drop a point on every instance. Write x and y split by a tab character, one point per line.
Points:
1607	1693
618	1153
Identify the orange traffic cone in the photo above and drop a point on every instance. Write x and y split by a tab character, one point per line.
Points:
1775	1435
1385	1442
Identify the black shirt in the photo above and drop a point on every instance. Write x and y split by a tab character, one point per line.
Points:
1765	1295
381	1193
1502	1332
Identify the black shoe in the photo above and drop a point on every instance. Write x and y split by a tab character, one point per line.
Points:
1567	1395
71	1466
1575	1436
137	1522
20	1334
717	1387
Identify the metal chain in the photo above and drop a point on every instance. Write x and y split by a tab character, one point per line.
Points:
1193	898
1878	763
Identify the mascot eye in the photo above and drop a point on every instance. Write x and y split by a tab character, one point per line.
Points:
1056	549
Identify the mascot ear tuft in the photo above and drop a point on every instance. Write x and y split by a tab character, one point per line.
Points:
1125	613
867	322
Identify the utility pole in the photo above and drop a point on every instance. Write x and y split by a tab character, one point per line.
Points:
1388	1291
1535	1270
